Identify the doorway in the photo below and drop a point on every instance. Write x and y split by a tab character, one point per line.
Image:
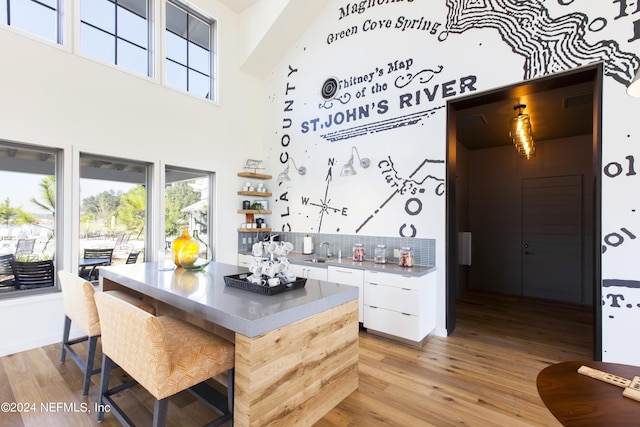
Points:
483	164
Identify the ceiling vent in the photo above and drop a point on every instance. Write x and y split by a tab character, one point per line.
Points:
574	101
472	121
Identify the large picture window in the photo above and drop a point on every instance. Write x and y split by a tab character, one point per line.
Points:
189	56
113	212
27	218
187	203
38	17
117	32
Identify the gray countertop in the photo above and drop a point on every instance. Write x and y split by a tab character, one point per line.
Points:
347	262
204	294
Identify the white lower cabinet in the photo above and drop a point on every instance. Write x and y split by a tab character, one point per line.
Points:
349	276
317	273
402	306
244	260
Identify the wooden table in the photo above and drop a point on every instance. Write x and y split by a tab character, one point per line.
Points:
577	400
296	353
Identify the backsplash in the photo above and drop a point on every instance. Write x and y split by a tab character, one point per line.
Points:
424	250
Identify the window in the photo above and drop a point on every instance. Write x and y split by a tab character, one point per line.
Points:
38	17
189	59
187	203
27	217
113	210
117	32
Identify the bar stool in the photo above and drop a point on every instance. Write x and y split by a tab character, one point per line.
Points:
162	354
80	307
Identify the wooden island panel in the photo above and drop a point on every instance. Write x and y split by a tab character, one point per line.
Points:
294	375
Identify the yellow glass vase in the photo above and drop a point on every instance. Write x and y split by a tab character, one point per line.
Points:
177	244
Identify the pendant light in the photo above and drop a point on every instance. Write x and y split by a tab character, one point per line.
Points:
521	133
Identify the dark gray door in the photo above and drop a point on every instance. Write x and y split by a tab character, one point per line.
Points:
552	238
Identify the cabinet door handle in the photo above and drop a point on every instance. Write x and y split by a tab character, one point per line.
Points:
406	314
344	271
406	289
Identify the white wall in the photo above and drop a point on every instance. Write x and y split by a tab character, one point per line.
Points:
54	97
486	45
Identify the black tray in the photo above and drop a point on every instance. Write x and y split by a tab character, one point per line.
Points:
240	281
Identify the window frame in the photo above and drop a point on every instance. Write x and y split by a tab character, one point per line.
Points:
59	20
59	256
212	62
115	38
211	178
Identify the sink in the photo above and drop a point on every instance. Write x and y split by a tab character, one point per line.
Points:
316	260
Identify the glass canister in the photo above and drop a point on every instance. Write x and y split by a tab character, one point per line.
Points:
380	254
358	252
405	257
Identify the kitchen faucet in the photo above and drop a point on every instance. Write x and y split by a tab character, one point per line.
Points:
329	254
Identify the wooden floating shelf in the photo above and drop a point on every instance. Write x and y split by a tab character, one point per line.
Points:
254	175
253	230
253	211
254	193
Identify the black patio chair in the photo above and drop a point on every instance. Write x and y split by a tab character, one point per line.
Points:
7	279
33	274
132	258
91	273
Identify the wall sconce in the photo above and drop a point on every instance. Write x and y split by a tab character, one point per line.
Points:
284	175
634	88
521	133
348	169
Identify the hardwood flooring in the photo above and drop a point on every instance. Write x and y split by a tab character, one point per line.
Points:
482	375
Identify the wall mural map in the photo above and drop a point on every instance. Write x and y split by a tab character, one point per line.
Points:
394	95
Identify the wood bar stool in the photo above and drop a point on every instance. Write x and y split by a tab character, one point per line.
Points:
80	307
162	354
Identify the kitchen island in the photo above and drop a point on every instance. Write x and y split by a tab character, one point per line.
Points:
296	352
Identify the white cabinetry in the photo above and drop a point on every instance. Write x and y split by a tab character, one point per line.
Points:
317	273
398	305
244	260
349	276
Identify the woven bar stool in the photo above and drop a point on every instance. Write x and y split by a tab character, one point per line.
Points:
162	354
80	308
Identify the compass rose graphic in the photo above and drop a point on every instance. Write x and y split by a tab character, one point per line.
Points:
324	203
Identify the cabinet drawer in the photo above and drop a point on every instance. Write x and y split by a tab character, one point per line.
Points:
389	279
309	272
244	260
391	298
392	323
346	276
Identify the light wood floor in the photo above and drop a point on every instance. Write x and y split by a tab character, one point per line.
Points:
482	375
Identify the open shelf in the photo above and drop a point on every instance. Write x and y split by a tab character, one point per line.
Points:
254	193
254	175
253	230
253	211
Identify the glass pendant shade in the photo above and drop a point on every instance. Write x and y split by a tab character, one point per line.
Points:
521	134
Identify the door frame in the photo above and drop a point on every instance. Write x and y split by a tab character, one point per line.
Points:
591	73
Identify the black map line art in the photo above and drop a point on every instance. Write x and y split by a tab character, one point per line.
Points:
632	284
343	99
403	185
380	126
425	75
324	202
548	45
